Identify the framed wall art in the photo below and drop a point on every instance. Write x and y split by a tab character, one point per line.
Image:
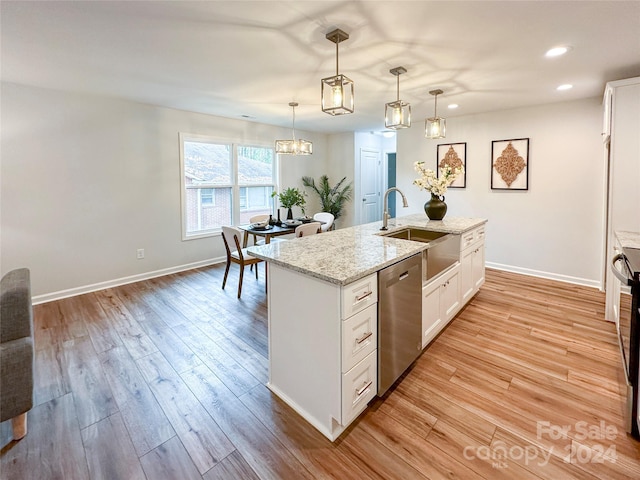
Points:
510	164
454	155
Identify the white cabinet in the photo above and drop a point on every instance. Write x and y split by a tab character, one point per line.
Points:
471	263
323	346
432	320
323	337
440	303
359	385
450	293
359	295
359	346
445	295
359	337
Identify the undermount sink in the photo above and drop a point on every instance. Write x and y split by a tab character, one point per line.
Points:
415	234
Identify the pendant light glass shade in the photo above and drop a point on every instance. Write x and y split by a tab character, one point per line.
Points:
337	91
293	146
435	127
397	114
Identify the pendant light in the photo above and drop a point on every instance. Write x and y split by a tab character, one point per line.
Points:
397	114
435	127
294	147
337	91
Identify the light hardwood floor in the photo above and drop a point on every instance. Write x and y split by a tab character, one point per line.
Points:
164	379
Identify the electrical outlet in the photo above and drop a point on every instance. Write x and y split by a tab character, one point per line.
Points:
140	253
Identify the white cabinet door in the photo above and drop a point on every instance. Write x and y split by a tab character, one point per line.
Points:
450	295
478	267
467	284
440	303
471	264
432	321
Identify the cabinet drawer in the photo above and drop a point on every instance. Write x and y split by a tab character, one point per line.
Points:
359	295
359	336
359	385
467	240
471	238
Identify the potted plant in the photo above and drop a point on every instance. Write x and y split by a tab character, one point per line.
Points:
291	197
333	199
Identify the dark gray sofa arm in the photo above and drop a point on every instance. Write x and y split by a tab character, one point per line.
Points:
16	349
16	377
16	314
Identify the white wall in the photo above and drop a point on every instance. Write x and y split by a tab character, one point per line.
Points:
340	163
87	180
555	228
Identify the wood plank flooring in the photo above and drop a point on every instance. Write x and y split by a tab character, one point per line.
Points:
165	379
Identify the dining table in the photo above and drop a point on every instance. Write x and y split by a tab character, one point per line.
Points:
269	231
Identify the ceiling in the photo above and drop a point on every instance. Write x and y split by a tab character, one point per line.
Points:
251	58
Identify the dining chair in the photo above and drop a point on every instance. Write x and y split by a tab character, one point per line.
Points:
307	229
236	254
258	219
327	218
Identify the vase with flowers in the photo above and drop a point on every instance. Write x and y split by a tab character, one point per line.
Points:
436	185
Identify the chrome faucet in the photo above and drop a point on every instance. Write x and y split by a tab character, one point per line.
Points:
385	213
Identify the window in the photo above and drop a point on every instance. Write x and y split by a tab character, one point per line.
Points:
207	197
223	183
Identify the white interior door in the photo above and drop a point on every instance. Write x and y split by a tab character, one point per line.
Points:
370	185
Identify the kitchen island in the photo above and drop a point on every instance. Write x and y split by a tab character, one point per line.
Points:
322	305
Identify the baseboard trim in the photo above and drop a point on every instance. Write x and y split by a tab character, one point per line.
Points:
72	292
549	276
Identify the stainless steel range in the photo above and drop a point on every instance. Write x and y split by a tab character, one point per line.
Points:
626	267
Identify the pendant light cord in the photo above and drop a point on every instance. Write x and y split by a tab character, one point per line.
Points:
294	123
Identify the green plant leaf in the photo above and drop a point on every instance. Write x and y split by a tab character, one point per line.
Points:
332	199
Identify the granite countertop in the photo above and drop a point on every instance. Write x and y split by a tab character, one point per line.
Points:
346	255
628	239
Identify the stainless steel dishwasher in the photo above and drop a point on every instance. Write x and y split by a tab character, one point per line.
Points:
399	319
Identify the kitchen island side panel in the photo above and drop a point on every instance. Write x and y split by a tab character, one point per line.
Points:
305	346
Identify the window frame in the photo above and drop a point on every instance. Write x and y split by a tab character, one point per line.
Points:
234	185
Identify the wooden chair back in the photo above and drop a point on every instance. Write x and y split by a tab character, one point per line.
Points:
307	229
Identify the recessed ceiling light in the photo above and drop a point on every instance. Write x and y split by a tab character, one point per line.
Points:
566	86
556	51
453	105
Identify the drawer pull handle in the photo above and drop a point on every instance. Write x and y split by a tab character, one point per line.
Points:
362	297
364	388
403	276
363	337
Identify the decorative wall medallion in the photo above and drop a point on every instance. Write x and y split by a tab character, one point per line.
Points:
510	165
454	155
